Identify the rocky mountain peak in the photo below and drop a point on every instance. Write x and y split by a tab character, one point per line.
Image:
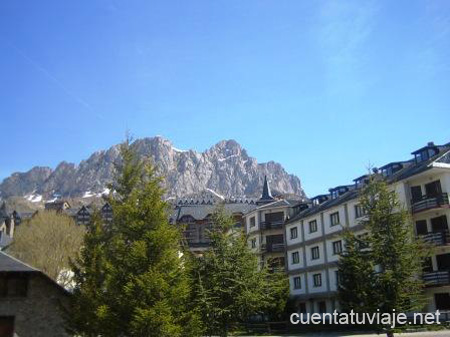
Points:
225	168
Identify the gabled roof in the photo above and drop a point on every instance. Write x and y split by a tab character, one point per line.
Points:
3	212
5	240
201	212
279	203
11	264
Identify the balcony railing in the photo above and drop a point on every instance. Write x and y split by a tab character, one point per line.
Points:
272	247
441	238
272	224
437	278
429	202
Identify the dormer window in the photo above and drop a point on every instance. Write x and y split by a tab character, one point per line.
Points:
336	192
389	169
425	153
317	200
361	181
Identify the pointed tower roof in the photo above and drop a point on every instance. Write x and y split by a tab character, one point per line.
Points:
3	212
266	195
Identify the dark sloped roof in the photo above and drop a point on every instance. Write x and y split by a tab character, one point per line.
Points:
410	168
280	203
5	240
349	195
11	264
3	212
200	212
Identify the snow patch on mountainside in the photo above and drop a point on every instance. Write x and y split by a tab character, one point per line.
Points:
216	194
34	197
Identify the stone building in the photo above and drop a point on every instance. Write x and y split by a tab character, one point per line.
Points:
30	302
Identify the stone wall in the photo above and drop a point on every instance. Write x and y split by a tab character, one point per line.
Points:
38	314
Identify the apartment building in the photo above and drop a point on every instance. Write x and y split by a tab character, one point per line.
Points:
313	235
264	227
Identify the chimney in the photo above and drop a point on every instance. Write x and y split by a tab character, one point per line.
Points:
430	144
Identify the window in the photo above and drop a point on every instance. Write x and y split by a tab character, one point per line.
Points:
334	219
359	211
294	233
433	189
442	301
313	226
317	280
7	326
252	222
274	217
295	258
337	276
421	227
253	243
337	247
297	282
13	285
439	224
315	253
416	193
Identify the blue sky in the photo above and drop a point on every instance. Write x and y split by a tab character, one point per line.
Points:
323	87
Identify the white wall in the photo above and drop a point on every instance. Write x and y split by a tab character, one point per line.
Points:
327	222
299	238
303	283
301	263
330	256
312	289
332	278
308	235
320	260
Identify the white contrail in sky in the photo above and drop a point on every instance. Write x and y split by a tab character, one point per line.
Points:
49	75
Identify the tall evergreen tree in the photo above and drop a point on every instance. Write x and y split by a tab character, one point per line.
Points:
356	273
390	279
230	285
88	277
144	287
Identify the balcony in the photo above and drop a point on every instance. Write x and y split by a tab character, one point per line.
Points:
429	202
266	225
437	238
437	278
272	248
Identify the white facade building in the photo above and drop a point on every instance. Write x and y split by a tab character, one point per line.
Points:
264	227
313	235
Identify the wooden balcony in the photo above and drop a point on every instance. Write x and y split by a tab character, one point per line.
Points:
441	238
437	278
429	202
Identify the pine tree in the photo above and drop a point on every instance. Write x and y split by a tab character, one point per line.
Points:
144	287
356	275
88	276
390	280
230	286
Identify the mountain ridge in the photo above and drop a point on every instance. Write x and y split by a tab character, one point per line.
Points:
225	168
